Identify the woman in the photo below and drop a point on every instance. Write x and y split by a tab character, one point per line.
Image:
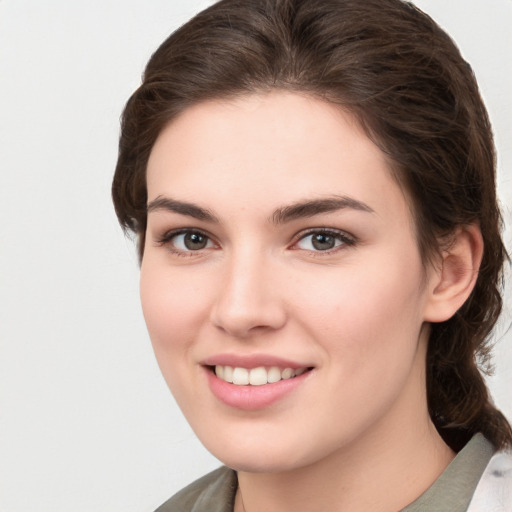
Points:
312	186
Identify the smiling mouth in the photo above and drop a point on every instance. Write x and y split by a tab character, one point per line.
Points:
256	376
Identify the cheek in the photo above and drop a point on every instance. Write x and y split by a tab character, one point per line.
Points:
171	305
372	308
368	325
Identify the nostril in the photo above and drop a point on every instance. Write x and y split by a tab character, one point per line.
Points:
248	301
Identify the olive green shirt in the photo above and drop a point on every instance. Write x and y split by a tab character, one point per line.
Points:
451	492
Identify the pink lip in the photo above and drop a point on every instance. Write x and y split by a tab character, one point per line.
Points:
251	361
252	398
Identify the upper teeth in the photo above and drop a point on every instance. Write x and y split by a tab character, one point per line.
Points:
255	376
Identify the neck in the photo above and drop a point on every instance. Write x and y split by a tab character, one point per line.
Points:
386	476
384	469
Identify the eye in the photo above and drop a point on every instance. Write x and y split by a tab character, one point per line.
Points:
323	240
186	241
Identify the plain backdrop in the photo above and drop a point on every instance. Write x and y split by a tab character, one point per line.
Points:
86	422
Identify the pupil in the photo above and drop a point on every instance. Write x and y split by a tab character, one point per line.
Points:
195	241
323	242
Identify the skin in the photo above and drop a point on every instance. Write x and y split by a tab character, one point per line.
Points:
357	426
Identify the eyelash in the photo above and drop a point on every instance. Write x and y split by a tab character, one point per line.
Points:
167	238
345	240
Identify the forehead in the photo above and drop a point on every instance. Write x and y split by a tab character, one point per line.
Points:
280	147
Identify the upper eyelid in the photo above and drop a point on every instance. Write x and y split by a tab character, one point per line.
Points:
167	235
328	231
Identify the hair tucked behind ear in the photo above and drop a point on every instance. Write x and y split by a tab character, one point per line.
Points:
404	79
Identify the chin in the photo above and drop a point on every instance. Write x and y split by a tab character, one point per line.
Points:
259	463
258	455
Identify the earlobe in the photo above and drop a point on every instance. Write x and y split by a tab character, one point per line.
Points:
454	278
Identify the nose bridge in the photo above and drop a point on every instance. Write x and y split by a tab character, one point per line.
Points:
247	299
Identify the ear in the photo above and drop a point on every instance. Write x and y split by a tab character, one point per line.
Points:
454	276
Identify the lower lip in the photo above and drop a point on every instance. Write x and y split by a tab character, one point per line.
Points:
251	398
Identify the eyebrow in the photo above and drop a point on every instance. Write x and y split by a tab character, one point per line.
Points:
181	207
303	209
298	210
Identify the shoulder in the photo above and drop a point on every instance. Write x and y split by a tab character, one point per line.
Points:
213	492
494	490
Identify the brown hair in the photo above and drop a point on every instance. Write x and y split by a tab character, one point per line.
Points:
405	81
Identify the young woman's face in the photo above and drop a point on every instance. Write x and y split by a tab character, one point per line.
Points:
279	244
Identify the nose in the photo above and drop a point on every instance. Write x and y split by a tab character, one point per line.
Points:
250	299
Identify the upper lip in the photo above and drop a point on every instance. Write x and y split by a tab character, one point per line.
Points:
252	361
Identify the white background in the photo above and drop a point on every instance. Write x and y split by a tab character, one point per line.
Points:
86	422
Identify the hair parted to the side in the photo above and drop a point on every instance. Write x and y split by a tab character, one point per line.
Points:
403	78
